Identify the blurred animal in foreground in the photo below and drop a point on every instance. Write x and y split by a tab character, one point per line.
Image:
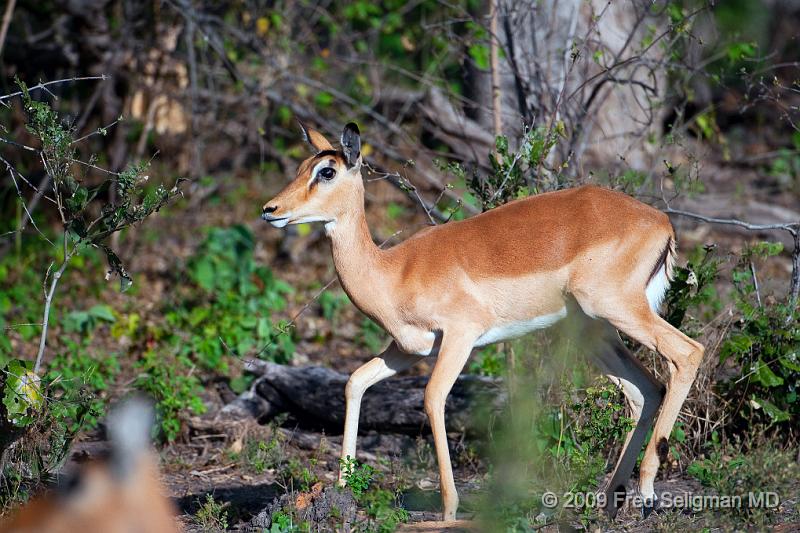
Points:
119	494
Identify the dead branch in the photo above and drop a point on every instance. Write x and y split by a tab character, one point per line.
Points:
43	86
9	12
793	228
497	108
315	396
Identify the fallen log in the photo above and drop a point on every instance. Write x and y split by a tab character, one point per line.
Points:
314	395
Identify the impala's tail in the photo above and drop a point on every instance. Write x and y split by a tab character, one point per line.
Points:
661	275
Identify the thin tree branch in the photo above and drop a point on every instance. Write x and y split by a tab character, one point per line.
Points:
497	96
9	12
48	300
44	86
792	227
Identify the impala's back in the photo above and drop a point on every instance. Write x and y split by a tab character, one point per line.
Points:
122	494
518	261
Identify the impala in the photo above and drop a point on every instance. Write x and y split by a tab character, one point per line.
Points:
120	495
497	276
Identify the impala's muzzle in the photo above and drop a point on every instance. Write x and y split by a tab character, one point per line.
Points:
276	221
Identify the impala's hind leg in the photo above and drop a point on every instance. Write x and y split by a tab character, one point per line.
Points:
634	317
643	393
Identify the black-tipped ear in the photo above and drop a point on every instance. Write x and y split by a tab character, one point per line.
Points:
315	138
351	144
304	130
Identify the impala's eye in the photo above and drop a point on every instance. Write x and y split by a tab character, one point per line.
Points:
327	173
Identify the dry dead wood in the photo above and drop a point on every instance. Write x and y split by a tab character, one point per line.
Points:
315	395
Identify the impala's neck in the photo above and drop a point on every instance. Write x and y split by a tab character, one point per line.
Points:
358	261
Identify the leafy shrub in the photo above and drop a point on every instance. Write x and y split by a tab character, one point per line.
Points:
739	467
692	287
513	174
232	312
173	385
380	504
212	515
357	476
41	415
765	344
578	439
80	380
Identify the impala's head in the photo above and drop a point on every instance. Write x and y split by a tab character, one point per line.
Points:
327	184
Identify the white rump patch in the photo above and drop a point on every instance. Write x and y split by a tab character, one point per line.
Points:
515	330
657	289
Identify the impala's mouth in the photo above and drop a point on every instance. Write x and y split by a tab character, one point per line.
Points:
277	222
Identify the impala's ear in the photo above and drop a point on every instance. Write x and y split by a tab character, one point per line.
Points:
315	138
351	145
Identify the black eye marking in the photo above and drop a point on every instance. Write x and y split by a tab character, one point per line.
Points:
327	173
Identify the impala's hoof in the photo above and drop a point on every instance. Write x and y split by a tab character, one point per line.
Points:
649	505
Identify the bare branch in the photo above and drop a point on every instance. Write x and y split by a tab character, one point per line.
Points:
497	100
44	86
9	12
23	224
791	227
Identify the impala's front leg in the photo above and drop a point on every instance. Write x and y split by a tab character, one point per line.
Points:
387	364
453	354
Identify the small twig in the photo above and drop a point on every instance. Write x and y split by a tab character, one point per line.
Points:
23	224
755	283
22	325
44	86
411	190
99	131
18	145
551	123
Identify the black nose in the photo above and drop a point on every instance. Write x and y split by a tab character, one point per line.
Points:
267	210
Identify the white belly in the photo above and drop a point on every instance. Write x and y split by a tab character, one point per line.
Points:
513	330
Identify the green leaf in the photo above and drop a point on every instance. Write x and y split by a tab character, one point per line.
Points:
480	54
103	312
790	361
78	200
263	328
22	393
775	413
204	274
323	99
738	344
766	376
